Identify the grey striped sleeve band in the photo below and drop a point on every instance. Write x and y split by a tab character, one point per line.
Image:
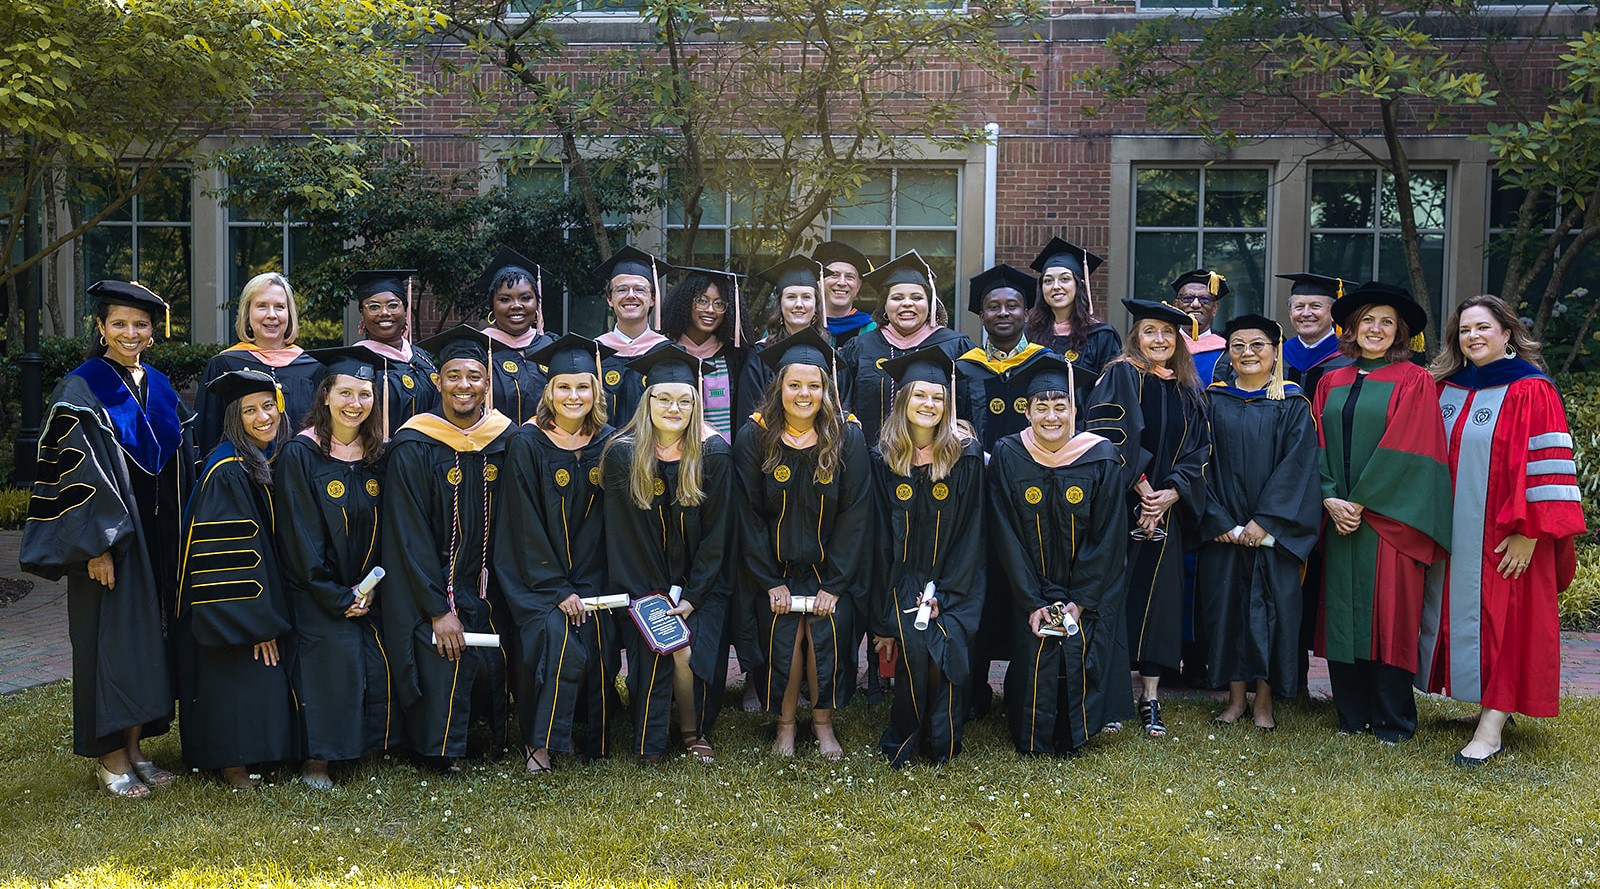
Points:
1552	467
1543	493
1550	440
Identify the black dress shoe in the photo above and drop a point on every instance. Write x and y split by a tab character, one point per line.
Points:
1472	762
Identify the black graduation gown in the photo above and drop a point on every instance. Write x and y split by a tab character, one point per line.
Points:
92	493
1060	534
867	391
411	387
441	480
236	710
1263	467
1101	344
752	389
932	531
549	540
1160	432
299	379
341	670
808	536
994	401
650	551
624	388
518	380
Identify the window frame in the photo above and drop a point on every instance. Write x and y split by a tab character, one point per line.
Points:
134	224
1200	229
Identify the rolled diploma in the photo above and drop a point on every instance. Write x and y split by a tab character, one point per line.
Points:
802	604
368	582
1069	626
676	595
924	607
478	640
604	603
1238	532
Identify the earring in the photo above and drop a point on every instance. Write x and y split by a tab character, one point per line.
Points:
1510	351
249	332
489	319
103	340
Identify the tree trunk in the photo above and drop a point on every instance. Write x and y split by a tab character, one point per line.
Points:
1400	168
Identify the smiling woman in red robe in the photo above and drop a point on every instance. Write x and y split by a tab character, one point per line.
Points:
1490	630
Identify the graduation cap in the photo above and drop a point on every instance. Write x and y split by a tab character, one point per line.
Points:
838	251
1216	285
1274	332
236	384
633	261
1146	308
929	365
134	295
796	271
1048	373
371	282
352	361
668	363
806	347
907	268
505	260
1378	293
572	354
461	341
1061	253
728	284
1307	284
1000	277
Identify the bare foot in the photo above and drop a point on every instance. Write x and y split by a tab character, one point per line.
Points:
1229	716
783	744
827	743
240	777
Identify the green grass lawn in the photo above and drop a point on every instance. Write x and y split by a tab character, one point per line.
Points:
1209	806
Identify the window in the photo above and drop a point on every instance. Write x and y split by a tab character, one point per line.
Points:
576	7
907	208
1176	5
148	239
1504	205
725	231
561	311
1355	227
1189	217
258	244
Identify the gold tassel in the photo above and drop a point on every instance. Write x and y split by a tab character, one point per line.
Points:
1214	282
1275	388
1418	343
277	395
1194	323
1341	288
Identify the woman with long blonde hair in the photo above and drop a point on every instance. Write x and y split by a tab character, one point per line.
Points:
805	481
1148	404
668	484
928	478
551	555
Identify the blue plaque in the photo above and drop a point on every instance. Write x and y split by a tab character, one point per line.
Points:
663	632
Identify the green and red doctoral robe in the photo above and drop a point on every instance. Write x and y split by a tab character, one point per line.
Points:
1382	446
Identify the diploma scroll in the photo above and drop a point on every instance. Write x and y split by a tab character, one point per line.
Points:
924	607
1238	534
1058	621
802	604
478	640
363	590
604	603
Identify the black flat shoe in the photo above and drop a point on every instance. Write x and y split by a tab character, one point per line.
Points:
1471	762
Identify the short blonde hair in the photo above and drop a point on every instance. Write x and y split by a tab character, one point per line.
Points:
254	288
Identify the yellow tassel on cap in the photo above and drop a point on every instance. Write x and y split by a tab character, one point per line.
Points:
1214	282
277	394
1341	288
1194	323
1418	343
1275	388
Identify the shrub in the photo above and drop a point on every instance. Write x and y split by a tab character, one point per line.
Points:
13	508
1582	395
1580	603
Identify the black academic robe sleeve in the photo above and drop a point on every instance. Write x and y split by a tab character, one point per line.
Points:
961	584
708	570
81	507
1006	526
1115	415
1290	508
415	580
849	545
307	562
1188	475
528	564
1101	556
754	525
1267	475
228	583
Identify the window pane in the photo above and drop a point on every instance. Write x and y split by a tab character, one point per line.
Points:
871	204
713	209
1392	268
1428	189
1343	256
536	180
1159	258
1505	203
927	198
166	198
708	247
939	249
301	253
252	250
1241	258
1167	198
874	245
95	189
164	266
108	253
1236	199
1341	199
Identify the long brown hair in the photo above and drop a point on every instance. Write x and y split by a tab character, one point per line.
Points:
1399	350
1181	363
895	445
641	434
257	464
1039	325
320	420
1451	359
829	426
544	416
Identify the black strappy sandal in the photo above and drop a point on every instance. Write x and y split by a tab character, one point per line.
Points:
1150	712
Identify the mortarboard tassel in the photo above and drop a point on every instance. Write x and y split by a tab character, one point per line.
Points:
277	396
933	293
409	334
1275	388
655	284
1418	343
738	320
1088	295
1340	294
538	290
1194	323
1214	282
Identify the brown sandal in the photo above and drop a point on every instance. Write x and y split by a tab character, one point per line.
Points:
699	748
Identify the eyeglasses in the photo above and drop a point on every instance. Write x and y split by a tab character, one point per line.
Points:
716	305
1201	300
1257	346
666	403
630	291
392	305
